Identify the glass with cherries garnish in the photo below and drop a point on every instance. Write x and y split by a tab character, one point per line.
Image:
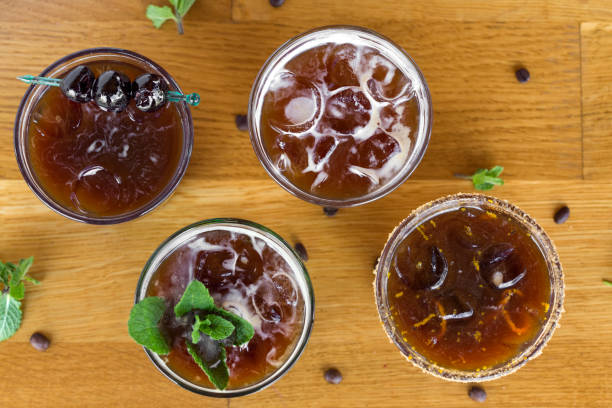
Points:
340	116
103	135
250	272
469	288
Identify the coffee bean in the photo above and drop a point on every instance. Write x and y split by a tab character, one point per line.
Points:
242	122
301	251
330	211
562	215
333	376
522	75
39	341
477	394
277	3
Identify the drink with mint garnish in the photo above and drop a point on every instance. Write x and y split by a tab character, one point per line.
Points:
224	307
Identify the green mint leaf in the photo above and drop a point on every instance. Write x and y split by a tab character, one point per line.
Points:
143	325
17	291
214	364
32	280
484	179
607	282
196	333
195	297
183	6
217	328
244	329
10	316
159	15
5	276
495	171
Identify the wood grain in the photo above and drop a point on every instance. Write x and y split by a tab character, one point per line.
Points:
483	117
480	110
597	99
396	11
84	300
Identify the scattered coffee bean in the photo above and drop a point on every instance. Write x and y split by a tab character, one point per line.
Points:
39	342
301	251
242	122
522	75
330	211
277	3
477	394
562	215
333	376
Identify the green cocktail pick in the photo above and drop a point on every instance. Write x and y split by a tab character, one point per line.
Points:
192	99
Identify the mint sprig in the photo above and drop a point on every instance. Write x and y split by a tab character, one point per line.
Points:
607	282
12	277
216	327
143	325
216	369
484	179
212	329
159	15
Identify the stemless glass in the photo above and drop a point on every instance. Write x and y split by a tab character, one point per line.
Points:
450	203
341	34
35	92
275	242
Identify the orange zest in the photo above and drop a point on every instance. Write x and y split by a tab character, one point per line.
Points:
443	323
425	320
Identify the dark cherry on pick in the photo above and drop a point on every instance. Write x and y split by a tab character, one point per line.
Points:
112	91
149	92
77	85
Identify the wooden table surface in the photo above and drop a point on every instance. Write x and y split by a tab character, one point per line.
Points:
553	135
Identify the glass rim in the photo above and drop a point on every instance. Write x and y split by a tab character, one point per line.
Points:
27	173
256	140
545	245
166	248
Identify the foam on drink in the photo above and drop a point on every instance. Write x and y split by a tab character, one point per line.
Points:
339	119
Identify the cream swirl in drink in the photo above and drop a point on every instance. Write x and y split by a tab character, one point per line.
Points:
341	119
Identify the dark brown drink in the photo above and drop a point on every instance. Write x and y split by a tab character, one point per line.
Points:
245	276
339	120
100	163
469	289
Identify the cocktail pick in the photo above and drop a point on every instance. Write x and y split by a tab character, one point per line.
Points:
192	99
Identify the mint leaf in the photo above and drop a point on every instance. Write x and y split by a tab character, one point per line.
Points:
244	329
214	365
17	291
195	297
159	15
196	333
143	325
484	179
217	328
5	276
183	6
10	316
607	282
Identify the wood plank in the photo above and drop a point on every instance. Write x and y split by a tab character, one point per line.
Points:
89	275
596	39
360	12
108	11
480	110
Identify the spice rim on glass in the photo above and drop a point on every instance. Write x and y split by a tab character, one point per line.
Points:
493	208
